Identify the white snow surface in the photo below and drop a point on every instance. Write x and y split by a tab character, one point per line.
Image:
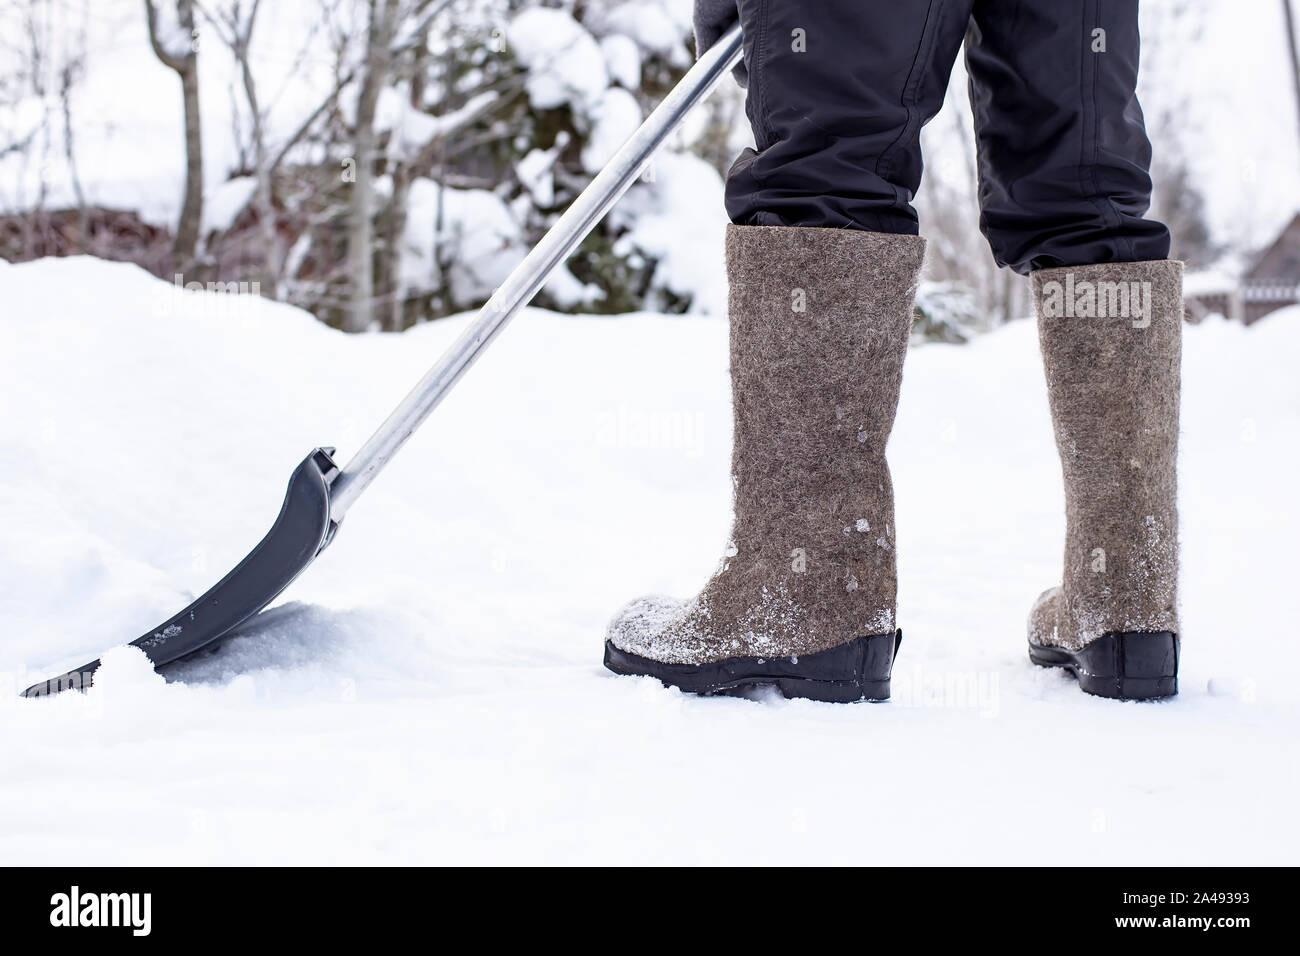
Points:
431	689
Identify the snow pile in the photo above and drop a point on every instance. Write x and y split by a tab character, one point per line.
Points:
430	691
127	675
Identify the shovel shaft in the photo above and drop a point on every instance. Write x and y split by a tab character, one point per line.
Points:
531	274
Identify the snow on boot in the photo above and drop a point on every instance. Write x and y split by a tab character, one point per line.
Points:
804	598
1111	338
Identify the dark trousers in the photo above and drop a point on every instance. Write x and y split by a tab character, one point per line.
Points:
839	90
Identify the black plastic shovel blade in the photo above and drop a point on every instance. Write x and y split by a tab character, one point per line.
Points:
302	531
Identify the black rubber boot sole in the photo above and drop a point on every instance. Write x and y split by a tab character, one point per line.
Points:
1127	665
858	670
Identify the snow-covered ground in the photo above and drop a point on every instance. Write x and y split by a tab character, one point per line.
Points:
432	690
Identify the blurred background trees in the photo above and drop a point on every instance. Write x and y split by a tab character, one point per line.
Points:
385	162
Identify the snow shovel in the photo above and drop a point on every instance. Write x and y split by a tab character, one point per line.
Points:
320	492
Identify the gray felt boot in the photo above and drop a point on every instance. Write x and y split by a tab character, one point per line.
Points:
1111	337
804	598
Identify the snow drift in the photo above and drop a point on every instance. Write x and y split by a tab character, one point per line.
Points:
431	690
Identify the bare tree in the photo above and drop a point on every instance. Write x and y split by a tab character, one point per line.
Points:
361	240
177	49
413	39
308	206
68	76
235	28
1288	15
394	227
266	160
44	53
1177	199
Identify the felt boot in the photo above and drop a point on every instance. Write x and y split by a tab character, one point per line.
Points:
1111	338
805	597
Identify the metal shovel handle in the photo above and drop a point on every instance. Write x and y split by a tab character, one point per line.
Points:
531	274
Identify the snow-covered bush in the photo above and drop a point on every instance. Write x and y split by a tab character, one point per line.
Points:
463	239
945	312
593	71
376	184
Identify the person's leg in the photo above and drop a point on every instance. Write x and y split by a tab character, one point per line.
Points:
1063	149
1111	338
1064	189
823	265
838	92
804	598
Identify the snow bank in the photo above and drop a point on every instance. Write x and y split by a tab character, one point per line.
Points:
431	689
